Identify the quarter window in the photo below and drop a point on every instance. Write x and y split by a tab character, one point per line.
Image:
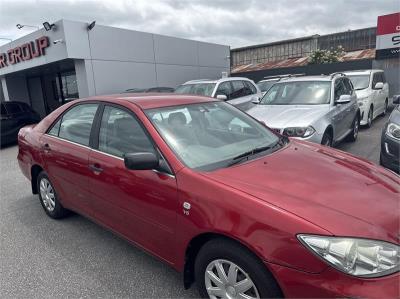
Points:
120	133
55	129
76	123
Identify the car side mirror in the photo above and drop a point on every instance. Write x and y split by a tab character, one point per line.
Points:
255	100
378	85
343	99
222	97
141	161
396	99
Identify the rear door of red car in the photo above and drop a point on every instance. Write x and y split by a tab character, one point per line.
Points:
65	149
139	204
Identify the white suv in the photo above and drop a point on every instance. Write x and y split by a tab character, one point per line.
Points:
238	91
372	92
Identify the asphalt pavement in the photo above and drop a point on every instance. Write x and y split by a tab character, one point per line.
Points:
74	257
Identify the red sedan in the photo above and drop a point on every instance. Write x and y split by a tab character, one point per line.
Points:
241	211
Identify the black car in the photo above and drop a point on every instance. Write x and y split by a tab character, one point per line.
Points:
14	116
390	141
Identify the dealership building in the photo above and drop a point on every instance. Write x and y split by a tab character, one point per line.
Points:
73	60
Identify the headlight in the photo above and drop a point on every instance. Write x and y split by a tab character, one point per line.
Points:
393	131
358	257
299	131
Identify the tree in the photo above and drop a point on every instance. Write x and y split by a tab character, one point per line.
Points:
326	56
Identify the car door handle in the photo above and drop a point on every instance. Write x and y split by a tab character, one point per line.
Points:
95	168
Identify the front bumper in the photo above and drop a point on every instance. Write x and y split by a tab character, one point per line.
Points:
390	152
331	283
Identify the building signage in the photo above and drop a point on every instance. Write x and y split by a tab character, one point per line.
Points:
388	36
24	52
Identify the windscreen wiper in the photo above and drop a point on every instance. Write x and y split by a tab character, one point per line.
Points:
241	157
246	155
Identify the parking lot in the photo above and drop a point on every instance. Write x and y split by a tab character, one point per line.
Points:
75	257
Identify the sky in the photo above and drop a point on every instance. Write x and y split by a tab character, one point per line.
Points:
231	22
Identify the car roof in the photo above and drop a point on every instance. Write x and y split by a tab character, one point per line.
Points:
306	78
153	100
362	72
215	80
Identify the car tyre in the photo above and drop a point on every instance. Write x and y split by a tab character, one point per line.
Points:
248	275
327	139
385	108
370	117
355	128
48	197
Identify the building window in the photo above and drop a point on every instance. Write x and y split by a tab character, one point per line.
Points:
69	86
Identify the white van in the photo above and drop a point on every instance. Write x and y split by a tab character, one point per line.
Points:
372	92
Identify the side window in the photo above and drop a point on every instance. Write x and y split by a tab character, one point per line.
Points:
225	88
3	110
55	128
13	108
383	77
76	123
238	89
348	88
375	79
251	87
120	133
339	89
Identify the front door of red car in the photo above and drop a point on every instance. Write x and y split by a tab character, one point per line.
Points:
139	204
66	152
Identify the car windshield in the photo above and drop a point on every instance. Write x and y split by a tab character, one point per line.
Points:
208	136
203	89
359	81
298	93
265	85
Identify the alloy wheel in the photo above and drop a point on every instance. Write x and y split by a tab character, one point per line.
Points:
47	194
225	279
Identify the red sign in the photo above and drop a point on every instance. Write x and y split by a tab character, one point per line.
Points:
25	52
388	36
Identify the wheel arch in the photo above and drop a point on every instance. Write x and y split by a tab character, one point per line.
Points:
194	246
35	170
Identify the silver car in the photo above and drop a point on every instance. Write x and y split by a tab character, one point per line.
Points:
238	91
321	109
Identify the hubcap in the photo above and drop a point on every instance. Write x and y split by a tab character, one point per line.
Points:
225	279
47	194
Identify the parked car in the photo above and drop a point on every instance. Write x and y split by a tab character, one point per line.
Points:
151	89
372	92
265	84
237	91
390	141
15	115
320	109
242	211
